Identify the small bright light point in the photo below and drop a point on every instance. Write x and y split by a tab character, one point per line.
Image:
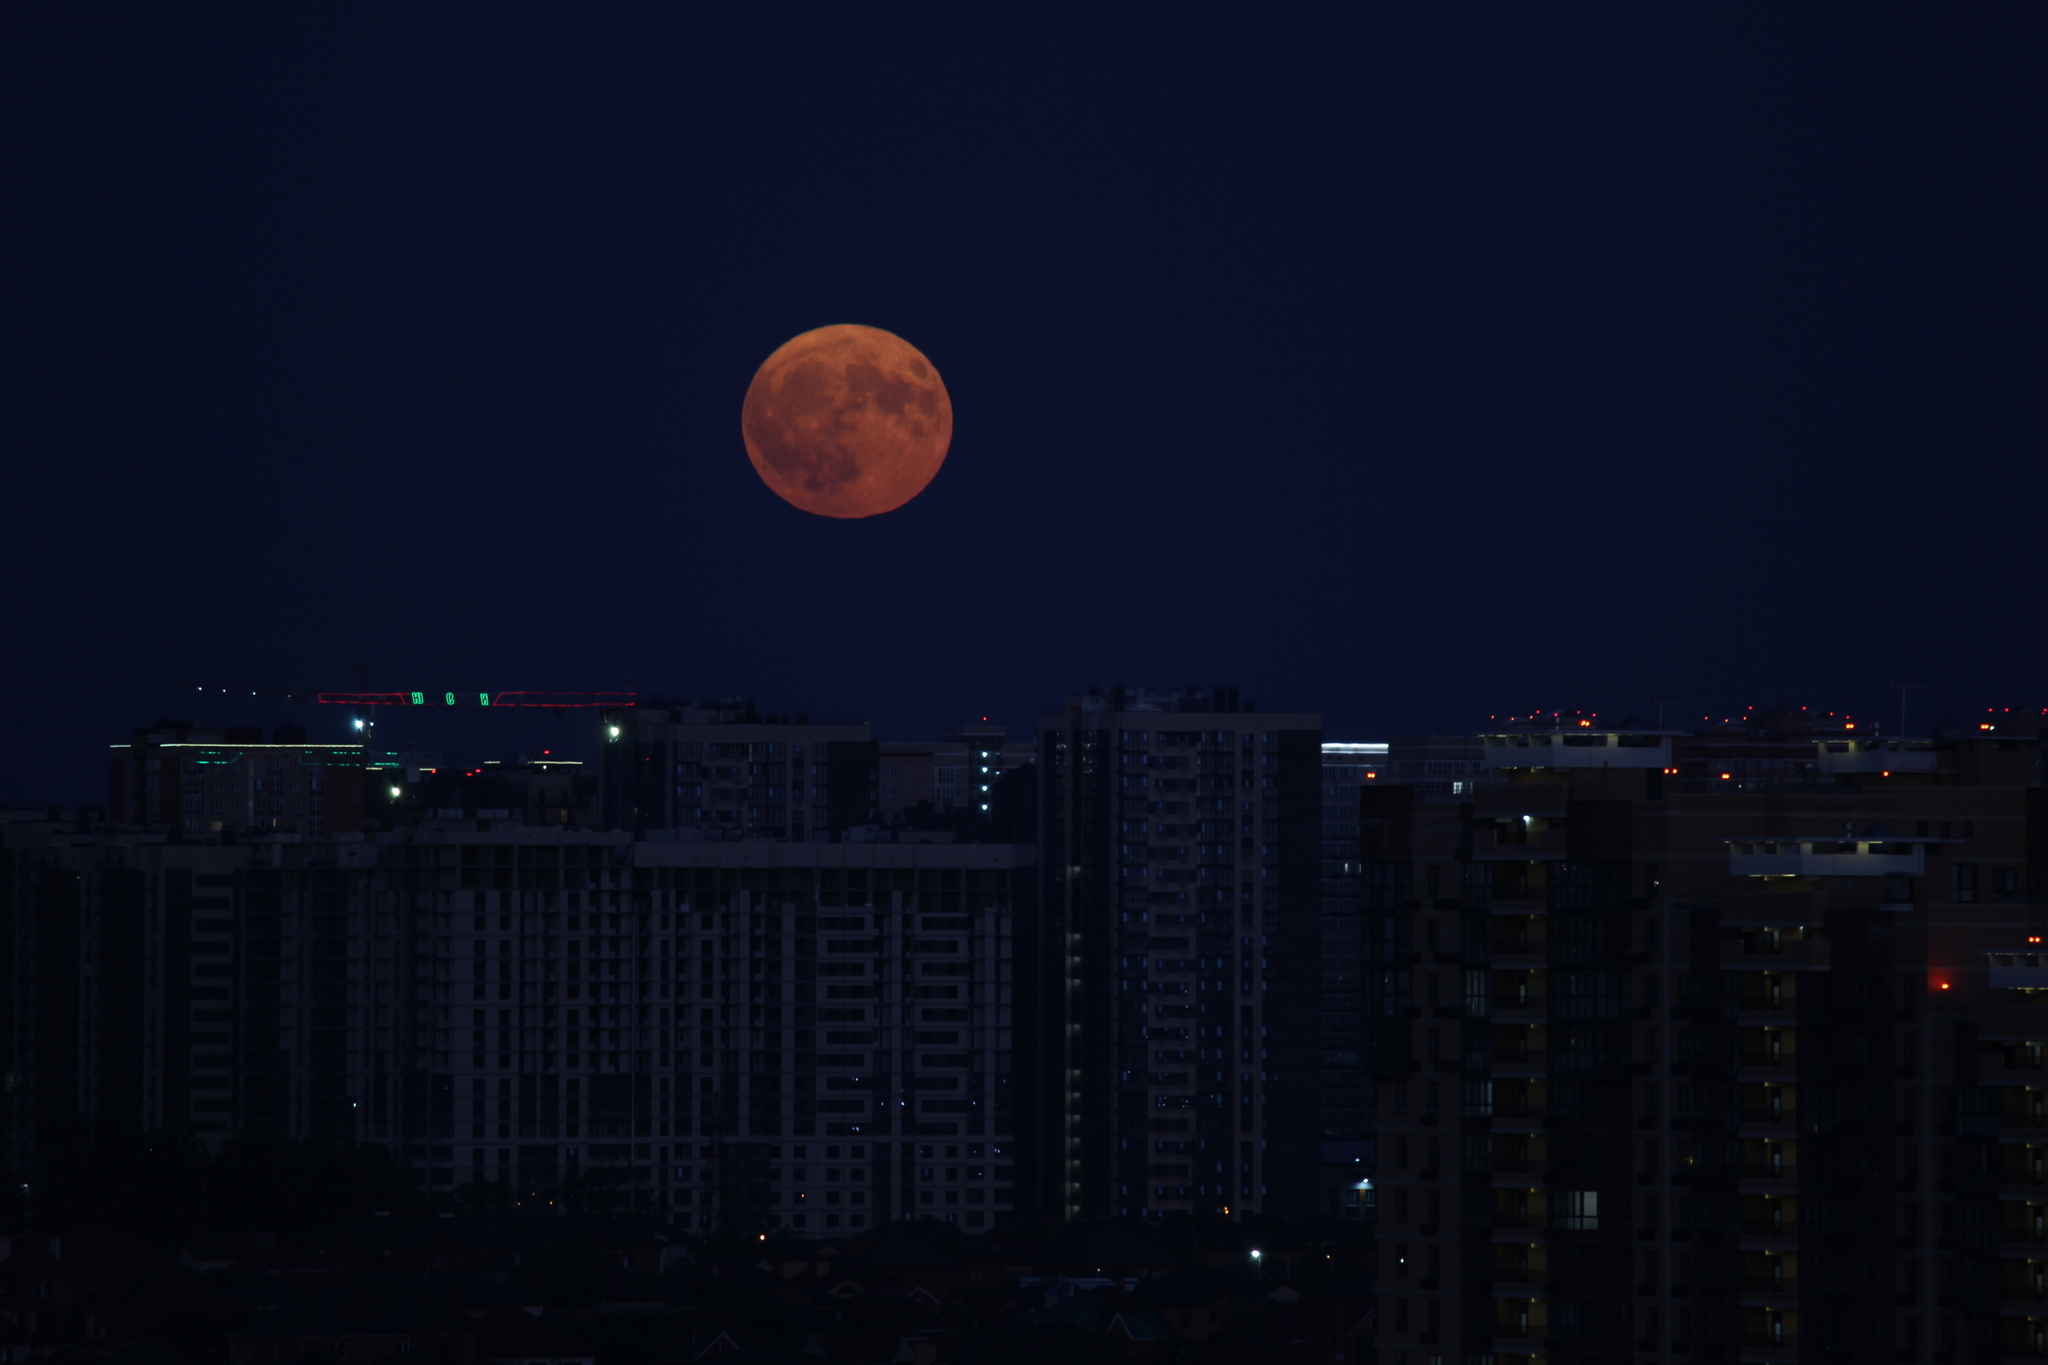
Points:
615	735
394	793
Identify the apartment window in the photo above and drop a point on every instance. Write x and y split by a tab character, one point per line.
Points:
1962	881
1576	1209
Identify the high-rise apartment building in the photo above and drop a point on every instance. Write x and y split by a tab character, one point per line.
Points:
1174	971
751	1034
1347	1092
963	770
1711	1047
207	782
723	770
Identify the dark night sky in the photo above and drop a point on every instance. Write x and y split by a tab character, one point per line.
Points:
1413	367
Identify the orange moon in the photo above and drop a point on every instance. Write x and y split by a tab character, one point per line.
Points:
847	421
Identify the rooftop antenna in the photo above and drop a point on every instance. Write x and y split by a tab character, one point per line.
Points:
1904	688
1661	703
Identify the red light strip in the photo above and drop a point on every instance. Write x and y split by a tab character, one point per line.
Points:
558	700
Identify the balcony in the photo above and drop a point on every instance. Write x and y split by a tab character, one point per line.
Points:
1767	1342
1846	756
1539	845
1582	749
1760	952
2018	971
1770	1116
1769	1170
1859	857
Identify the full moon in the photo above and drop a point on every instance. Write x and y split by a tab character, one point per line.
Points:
847	421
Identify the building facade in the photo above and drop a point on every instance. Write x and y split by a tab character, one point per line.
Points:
963	770
1717	1047
207	782
723	769
1174	973
754	1035
1347	1153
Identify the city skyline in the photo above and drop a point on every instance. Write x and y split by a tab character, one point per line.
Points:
1590	1043
1537	361
1431	750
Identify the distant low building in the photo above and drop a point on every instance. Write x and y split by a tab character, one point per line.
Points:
720	769
204	781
